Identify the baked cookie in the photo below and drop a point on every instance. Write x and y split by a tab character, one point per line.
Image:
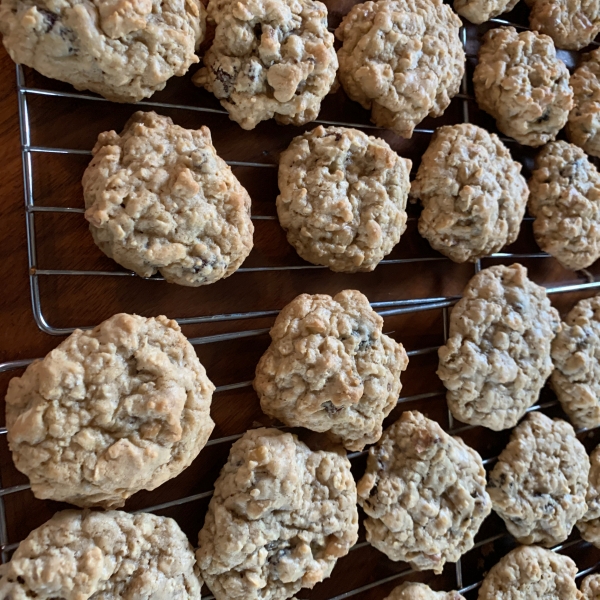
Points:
269	58
280	517
575	353
159	198
590	587
564	198
538	486
109	412
124	50
472	191
424	494
583	126
342	198
330	368
589	524
480	11
402	59
530	572
497	357
420	591
523	85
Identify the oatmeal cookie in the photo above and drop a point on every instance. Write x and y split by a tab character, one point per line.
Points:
159	198
113	555
564	198
472	191
402	59
420	591
280	517
330	368
590	587
269	58
538	486
480	11
589	524
124	50
523	85
424	494
111	411
531	572
342	198
497	357
576	375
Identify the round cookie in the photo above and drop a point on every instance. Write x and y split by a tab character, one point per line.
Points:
497	357
109	412
269	58
280	517
342	198
105	556
472	191
576	375
124	50
480	11
589	524
424	494
564	198
538	486
420	591
590	587
530	572
523	85
330	368
159	198
402	59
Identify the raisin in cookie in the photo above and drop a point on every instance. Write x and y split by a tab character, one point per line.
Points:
472	191
105	556
402	59
590	587
330	368
589	525
279	519
269	58
420	591
497	357
523	85
111	411
342	198
124	50
531	572
565	201
423	493
159	198
538	486
480	11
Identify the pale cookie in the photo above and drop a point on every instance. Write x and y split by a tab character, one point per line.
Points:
472	191
497	357
576	354
424	494
342	198
523	85
402	59
330	368
124	50
159	198
564	198
420	591
112	555
279	519
269	58
480	11
531	573
590	587
538	486
589	524
111	411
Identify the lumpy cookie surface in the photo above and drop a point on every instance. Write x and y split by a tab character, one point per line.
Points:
420	591
590	587
342	198
111	411
497	357
402	59
330	368
269	58
480	11
539	483
280	517
530	572
112	555
159	198
589	524
520	82
564	199
424	494
473	193
124	50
